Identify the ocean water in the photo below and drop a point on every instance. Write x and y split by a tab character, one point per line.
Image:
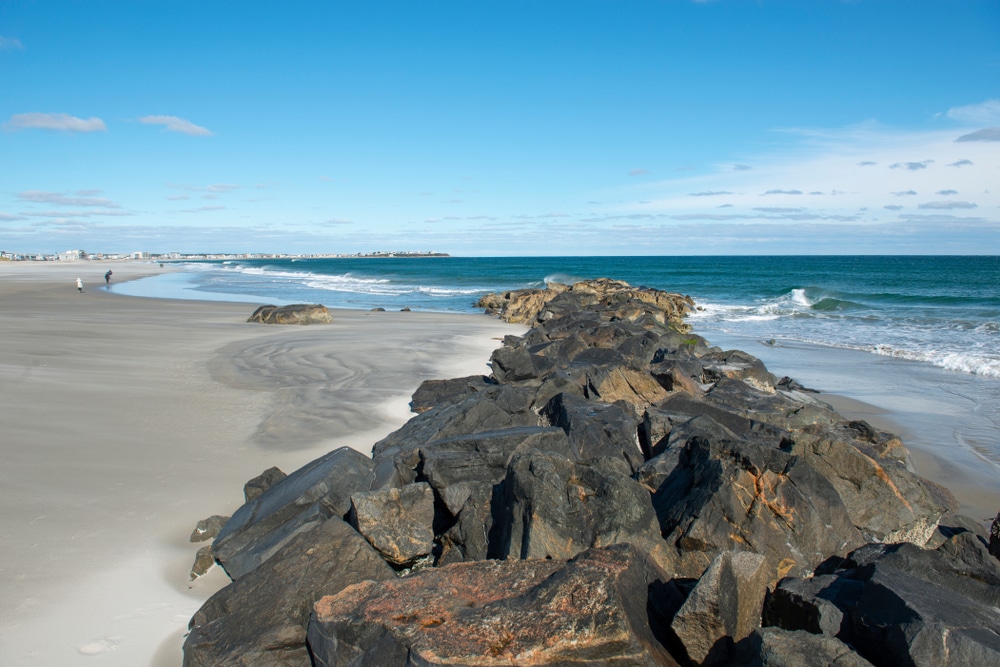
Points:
918	337
944	311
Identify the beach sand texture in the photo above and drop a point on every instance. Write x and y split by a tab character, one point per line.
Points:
125	420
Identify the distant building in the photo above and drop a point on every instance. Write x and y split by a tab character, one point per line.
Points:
72	255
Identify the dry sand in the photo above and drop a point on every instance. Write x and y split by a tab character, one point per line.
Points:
123	421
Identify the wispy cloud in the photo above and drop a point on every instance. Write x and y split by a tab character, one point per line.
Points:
62	213
946	205
986	134
893	207
912	166
947	192
782	192
10	44
867	163
175	124
202	209
637	172
711	193
742	167
984	113
904	193
217	188
61	199
55	121
961	163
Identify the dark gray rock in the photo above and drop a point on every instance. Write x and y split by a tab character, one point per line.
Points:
451	465
432	393
906	620
299	502
551	507
819	604
737	365
260	620
723	608
995	537
256	487
886	502
774	647
745	495
786	410
595	429
397	456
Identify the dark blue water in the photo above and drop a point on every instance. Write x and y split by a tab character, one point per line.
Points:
940	310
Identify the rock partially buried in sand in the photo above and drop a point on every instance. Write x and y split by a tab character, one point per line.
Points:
298	313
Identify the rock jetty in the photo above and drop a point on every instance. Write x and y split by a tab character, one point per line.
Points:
616	492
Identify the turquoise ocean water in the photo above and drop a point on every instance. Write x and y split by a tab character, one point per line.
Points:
940	310
918	336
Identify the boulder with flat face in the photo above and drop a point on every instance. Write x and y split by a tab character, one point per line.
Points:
397	522
297	503
260	620
598	609
723	608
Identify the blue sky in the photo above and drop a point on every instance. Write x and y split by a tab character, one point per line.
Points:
548	127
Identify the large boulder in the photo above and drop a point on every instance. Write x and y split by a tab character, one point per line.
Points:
299	313
723	608
432	393
397	456
745	495
598	609
260	620
397	522
901	604
774	647
297	503
551	507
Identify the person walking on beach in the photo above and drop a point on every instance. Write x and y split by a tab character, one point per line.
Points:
107	277
79	284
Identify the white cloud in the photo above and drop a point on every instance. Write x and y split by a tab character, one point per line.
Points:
10	44
984	113
828	161
175	124
55	121
60	199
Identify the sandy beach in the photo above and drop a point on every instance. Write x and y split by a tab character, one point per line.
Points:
126	420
